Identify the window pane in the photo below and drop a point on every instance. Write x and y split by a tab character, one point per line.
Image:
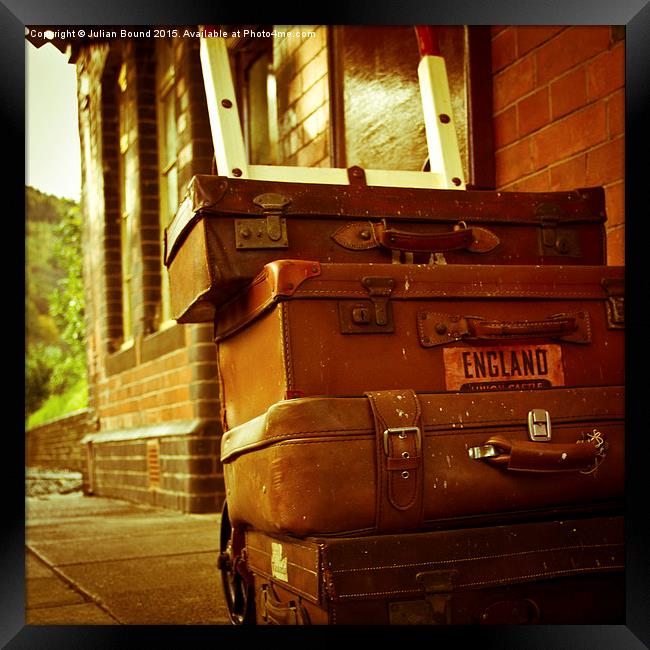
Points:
171	184
169	121
261	152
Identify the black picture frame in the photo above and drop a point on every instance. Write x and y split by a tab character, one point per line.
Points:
634	15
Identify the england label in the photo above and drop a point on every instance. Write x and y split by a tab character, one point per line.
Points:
511	367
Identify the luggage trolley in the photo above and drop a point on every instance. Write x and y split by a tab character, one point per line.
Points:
493	582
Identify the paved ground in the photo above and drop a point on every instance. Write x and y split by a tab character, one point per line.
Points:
97	561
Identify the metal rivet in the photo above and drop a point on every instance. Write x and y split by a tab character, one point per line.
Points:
456	181
236	172
364	234
226	103
401	435
562	245
440	328
444	118
245	233
405	474
406	455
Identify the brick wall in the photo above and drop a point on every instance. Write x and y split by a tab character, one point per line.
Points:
156	402
173	466
559	114
300	66
55	444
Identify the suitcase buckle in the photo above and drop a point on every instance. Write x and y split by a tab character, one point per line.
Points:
402	433
539	425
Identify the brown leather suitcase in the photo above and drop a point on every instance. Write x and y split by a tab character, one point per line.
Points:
553	572
395	461
227	229
304	329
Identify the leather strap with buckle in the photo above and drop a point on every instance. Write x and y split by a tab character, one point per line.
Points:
399	499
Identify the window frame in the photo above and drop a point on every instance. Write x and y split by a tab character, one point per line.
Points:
165	87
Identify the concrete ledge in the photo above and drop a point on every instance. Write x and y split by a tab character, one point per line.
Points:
195	427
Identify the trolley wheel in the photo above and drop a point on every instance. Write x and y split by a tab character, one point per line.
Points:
238	592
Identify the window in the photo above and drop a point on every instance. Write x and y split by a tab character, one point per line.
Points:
255	83
167	155
261	105
128	197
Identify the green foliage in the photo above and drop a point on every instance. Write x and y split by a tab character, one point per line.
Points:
74	398
55	361
67	302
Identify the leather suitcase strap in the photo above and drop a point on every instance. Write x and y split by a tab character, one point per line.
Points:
400	480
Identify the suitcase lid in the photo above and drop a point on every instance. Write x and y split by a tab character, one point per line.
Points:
214	196
317	417
297	279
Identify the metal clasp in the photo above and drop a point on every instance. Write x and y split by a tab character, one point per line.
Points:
270	232
539	425
484	451
374	315
402	432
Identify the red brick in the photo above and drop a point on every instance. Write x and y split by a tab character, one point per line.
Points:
616	113
533	112
504	49
568	93
615	204
616	246
569	174
568	49
513	162
530	37
569	136
606	163
513	83
606	73
505	127
536	183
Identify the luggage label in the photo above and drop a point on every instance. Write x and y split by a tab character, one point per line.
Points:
503	367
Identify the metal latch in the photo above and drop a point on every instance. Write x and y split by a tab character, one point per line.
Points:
553	239
369	316
615	303
269	232
539	425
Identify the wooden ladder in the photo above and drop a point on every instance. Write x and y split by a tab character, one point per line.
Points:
445	168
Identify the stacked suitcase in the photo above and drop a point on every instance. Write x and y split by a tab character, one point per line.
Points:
423	400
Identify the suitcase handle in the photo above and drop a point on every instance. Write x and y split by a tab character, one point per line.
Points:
438	329
275	612
479	328
475	240
524	456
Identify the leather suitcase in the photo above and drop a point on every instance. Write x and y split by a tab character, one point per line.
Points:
399	461
305	329
553	572
227	229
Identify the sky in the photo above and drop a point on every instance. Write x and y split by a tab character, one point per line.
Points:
51	136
